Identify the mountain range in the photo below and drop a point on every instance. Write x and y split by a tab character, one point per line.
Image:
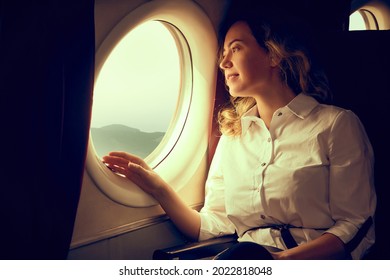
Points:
117	137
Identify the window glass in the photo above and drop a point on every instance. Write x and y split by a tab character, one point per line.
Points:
363	20
356	22
137	91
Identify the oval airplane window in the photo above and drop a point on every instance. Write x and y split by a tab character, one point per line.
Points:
177	117
136	92
363	19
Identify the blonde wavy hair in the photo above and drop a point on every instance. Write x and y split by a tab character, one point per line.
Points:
296	70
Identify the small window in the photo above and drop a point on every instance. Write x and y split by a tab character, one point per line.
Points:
363	20
137	91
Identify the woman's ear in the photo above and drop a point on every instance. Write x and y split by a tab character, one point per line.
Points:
274	61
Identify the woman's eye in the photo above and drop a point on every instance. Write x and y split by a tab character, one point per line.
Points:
235	49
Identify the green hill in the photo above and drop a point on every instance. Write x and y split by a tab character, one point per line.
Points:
118	137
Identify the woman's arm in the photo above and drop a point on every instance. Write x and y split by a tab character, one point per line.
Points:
135	169
327	246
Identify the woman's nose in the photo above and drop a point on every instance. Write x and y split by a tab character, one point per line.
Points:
225	63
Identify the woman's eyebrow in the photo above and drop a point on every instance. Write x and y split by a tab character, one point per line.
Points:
231	43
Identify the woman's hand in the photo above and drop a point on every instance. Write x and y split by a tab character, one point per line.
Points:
325	247
136	170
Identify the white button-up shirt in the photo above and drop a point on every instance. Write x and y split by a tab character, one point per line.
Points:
312	169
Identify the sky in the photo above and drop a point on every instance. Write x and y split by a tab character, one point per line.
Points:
138	85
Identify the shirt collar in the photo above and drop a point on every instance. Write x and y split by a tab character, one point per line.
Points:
301	106
252	115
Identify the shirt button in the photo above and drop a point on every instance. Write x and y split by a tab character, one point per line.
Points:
262	216
279	114
269	139
263	164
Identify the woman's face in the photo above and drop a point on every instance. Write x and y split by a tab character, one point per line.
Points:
247	66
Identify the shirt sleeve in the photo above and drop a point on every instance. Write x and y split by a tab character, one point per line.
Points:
351	187
214	221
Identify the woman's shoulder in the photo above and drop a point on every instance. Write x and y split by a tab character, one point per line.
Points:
335	112
226	139
339	118
306	105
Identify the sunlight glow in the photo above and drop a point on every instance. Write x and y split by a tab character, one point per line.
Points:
356	22
139	84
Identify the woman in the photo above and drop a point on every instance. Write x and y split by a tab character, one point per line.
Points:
289	173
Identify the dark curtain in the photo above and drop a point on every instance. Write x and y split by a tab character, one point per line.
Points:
46	81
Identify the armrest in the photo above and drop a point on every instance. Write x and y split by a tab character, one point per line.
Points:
196	250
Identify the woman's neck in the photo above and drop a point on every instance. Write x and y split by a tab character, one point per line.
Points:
268	103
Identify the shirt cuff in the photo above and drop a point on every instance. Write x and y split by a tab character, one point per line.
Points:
210	227
343	230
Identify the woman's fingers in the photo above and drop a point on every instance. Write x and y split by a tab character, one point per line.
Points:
130	158
114	160
135	169
116	164
116	169
126	164
136	173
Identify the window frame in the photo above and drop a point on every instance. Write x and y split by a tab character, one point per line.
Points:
369	19
185	143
